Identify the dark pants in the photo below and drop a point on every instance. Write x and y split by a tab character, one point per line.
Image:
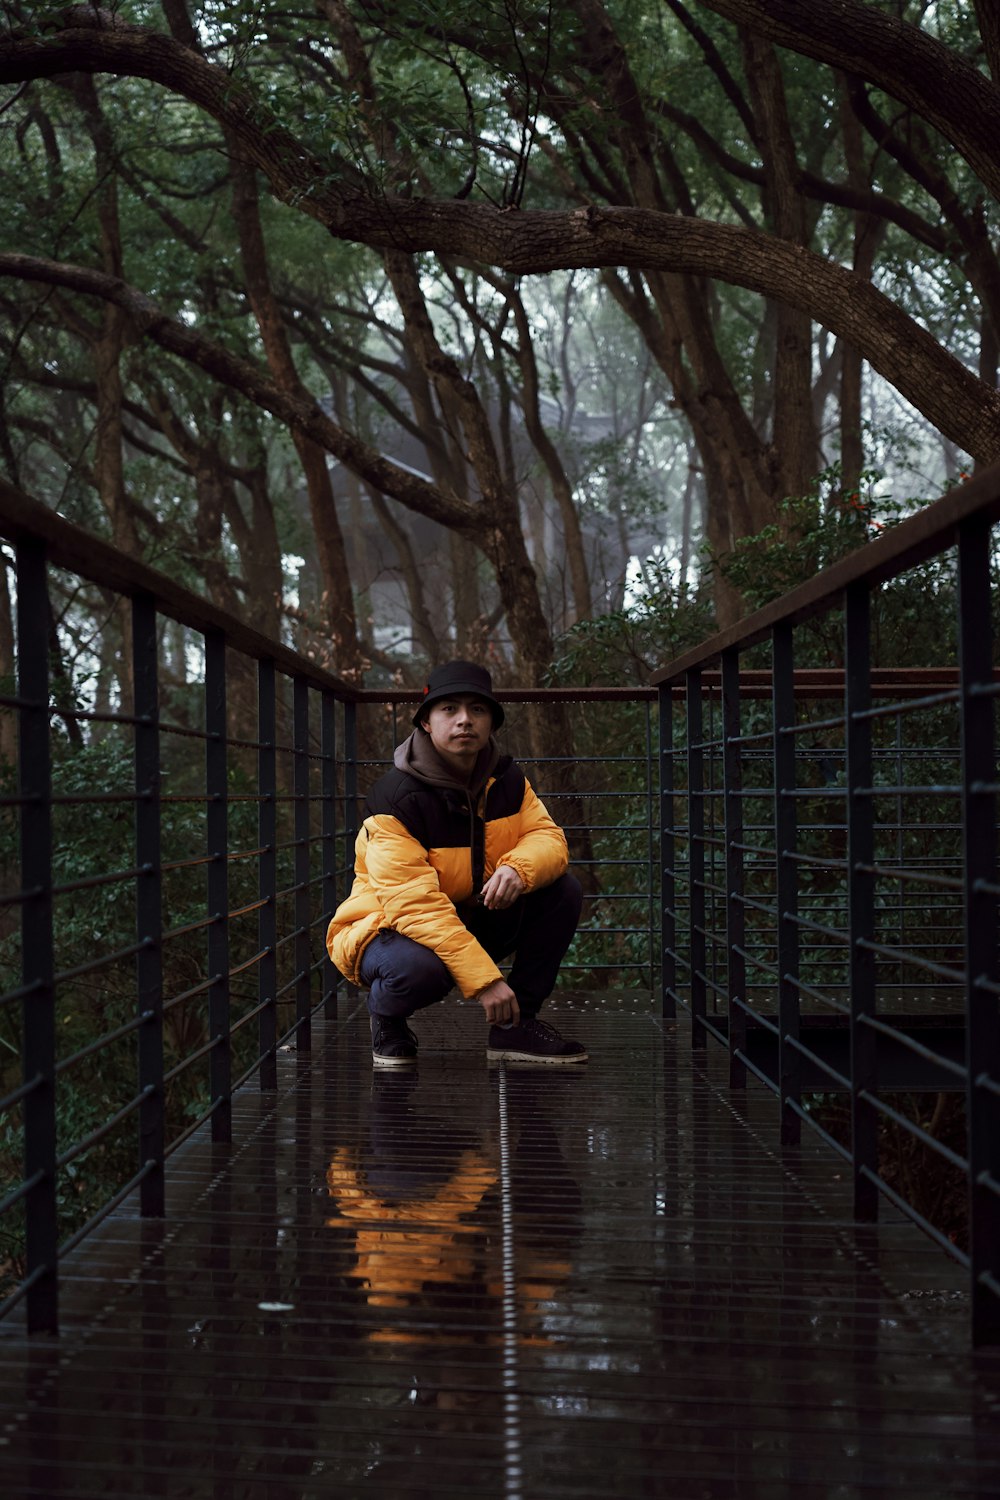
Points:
404	976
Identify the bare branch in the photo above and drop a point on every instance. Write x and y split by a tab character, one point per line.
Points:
299	412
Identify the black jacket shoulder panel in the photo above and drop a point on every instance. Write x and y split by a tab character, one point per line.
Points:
384	794
437	817
507	791
399	795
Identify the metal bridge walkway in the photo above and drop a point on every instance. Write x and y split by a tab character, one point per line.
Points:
592	1282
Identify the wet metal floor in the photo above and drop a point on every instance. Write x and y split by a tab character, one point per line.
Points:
599	1281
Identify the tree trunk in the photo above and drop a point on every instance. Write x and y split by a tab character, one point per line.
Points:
562	490
330	546
499	532
259	546
794	447
467	610
108	342
678	333
687	529
867	235
428	635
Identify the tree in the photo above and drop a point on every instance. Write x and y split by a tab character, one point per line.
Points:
544	138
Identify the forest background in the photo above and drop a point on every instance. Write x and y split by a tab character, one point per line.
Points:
432	328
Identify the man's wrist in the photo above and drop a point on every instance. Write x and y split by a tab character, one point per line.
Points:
478	995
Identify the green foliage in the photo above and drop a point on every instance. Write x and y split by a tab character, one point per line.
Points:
659	622
612	742
913	617
812	532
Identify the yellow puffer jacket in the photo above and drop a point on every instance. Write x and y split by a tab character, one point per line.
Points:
424	848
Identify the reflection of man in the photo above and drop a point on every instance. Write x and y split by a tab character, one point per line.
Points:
421	1200
458	864
411	1206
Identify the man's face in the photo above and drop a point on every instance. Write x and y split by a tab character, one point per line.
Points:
459	728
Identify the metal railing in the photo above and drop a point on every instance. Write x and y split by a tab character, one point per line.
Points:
804	859
174	858
171	861
829	872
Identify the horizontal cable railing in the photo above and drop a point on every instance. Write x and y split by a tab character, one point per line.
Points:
170	863
830	877
816	885
172	860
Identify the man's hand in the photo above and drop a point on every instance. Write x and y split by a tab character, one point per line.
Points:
500	1003
502	889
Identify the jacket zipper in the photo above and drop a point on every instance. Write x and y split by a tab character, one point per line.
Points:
477	847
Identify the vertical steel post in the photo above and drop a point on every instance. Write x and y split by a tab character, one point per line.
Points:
714	826
303	903
217	838
979	813
696	855
350	779
149	904
38	1011
861	895
668	857
787	881
900	840
328	842
267	873
732	780
651	945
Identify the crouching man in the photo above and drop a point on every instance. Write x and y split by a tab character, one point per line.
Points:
457	865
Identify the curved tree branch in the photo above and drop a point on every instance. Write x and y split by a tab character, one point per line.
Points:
946	90
966	409
300	412
962	406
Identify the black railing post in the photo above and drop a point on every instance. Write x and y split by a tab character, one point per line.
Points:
696	855
350	781
267	874
38	1011
668	857
714	804
328	842
217	837
900	827
302	904
787	883
149	906
861	897
732	780
651	945
979	812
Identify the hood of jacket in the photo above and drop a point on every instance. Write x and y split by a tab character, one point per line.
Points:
417	757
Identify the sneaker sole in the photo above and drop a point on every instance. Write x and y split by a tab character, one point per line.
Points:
378	1061
532	1059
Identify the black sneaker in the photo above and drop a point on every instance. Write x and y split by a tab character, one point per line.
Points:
532	1041
393	1043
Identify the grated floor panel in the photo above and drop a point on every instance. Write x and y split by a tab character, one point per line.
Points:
510	1283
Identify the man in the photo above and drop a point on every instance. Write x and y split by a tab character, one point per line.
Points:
458	864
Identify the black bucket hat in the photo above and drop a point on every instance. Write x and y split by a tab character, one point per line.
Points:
456	677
